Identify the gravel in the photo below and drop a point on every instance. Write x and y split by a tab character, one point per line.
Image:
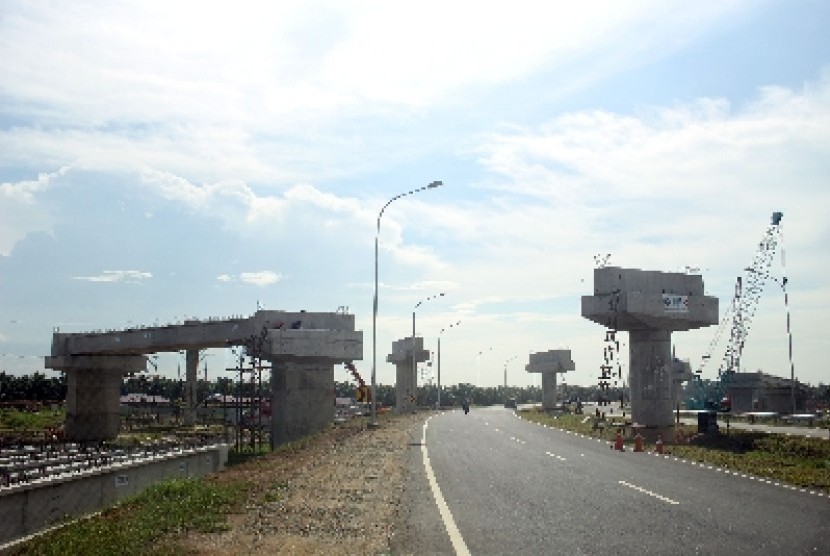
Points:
337	492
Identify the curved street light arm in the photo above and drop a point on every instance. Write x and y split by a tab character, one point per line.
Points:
375	299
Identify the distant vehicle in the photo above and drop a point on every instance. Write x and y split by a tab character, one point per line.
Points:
510	403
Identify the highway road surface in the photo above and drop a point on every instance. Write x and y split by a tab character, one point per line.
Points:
490	483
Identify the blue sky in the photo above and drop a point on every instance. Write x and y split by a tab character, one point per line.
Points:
164	160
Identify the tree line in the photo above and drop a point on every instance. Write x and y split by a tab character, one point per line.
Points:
38	387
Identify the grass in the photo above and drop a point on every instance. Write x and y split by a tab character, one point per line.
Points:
138	525
16	420
795	460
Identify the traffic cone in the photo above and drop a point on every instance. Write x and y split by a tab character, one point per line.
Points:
618	442
658	446
638	443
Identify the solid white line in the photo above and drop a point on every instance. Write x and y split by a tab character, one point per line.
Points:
449	523
654	494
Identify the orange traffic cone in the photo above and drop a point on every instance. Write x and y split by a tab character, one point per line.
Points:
658	446
638	443
618	442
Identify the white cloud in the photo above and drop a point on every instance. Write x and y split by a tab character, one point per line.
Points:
279	92
20	211
261	278
131	276
25	191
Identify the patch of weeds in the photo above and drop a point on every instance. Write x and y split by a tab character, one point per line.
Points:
137	524
274	492
236	458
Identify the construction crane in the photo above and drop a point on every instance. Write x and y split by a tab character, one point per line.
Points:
741	311
364	393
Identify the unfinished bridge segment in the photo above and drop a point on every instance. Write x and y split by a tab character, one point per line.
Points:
303	348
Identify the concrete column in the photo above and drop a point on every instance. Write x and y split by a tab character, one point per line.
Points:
92	404
93	393
406	356
190	387
302	400
406	387
548	390
650	377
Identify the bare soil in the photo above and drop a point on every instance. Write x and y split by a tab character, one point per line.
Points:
337	492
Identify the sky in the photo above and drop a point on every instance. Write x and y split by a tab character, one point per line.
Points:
169	160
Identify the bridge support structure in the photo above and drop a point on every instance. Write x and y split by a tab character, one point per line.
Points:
549	364
406	378
302	378
303	345
93	393
650	305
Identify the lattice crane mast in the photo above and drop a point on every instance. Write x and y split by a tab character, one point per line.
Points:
740	312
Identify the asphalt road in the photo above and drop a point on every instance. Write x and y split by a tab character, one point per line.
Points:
512	486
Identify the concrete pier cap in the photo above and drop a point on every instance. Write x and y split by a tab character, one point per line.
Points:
549	364
406	379
650	305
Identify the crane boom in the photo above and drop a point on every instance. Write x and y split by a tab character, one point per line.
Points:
741	311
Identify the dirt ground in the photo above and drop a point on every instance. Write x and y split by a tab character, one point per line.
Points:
340	492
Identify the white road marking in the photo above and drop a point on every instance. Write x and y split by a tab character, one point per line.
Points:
449	523
560	458
654	494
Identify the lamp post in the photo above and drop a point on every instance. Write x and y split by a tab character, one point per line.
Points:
432	185
478	364
414	363
783	284
439	359
505	372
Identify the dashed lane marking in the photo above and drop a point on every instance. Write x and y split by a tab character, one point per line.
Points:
560	458
654	494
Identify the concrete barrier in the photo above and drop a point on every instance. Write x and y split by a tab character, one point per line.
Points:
28	508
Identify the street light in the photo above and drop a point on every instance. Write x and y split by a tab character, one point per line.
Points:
433	185
414	363
783	284
439	359
505	372
478	361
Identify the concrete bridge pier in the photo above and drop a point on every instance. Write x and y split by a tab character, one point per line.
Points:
190	386
302	378
651	378
93	393
650	305
406	379
549	364
302	399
